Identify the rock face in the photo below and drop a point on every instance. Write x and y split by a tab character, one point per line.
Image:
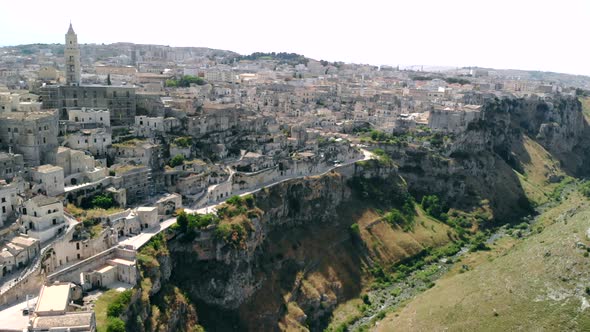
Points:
300	259
157	305
477	165
273	276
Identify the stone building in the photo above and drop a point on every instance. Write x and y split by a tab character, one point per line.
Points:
8	201
54	310
135	180
32	134
97	141
90	118
72	58
119	100
10	165
43	218
47	179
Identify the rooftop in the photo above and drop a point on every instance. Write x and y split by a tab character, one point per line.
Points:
122	261
27	116
48	168
53	298
44	200
71	319
24	241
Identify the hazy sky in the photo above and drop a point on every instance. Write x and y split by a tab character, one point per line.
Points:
524	34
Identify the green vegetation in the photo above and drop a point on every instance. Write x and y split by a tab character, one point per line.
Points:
189	224
419	135
383	192
282	57
488	291
149	253
185	141
117	307
108	309
585	189
456	80
404	217
557	193
176	160
115	324
432	205
101	201
384	276
184	82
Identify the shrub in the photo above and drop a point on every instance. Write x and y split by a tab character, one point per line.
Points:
354	228
176	160
117	307
115	325
431	204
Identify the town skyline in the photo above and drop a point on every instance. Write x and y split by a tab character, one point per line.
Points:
508	36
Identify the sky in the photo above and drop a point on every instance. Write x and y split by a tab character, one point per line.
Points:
543	35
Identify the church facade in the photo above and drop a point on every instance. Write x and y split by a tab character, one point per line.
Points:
119	100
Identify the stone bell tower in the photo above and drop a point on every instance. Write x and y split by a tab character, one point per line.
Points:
72	57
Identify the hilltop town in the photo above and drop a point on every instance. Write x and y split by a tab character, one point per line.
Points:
103	146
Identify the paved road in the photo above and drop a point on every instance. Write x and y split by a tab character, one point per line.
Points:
142	238
12	317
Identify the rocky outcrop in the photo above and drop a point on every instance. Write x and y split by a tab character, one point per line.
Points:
158	305
301	221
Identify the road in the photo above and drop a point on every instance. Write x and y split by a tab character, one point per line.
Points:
12	317
139	240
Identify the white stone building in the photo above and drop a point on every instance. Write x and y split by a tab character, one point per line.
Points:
43	218
8	201
84	116
48	179
96	141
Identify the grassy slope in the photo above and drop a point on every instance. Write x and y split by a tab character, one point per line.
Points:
549	295
538	166
390	245
100	308
586	107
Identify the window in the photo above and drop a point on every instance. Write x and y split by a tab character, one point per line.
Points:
24	211
55	221
4	209
3	199
78	246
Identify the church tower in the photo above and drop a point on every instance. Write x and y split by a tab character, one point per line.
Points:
72	55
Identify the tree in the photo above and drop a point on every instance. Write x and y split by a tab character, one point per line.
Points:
432	205
115	325
177	160
103	201
109	79
182	221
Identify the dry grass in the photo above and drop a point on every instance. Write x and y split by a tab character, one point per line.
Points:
585	107
533	284
538	166
392	244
